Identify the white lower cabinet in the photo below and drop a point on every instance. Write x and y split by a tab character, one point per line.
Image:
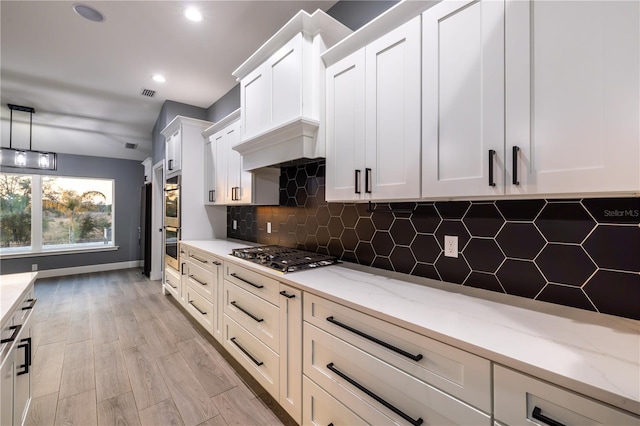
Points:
173	283
522	399
200	308
321	409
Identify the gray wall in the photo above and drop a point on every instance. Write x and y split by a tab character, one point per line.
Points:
224	106
356	13
129	178
171	109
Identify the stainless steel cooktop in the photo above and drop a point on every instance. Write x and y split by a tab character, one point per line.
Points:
284	259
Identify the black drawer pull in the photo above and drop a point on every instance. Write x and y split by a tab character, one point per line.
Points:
255	318
196	308
514	170
171	285
417	422
367	180
244	351
216	263
375	340
287	295
357	182
31	305
27	356
197	280
248	282
14	334
492	154
537	414
198	259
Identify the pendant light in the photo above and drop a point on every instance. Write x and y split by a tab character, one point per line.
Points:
21	158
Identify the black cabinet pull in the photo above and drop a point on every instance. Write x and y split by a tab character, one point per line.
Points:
287	295
197	309
514	153
375	340
211	196
492	153
391	407
255	318
171	285
170	164
248	282
31	304
197	280
216	263
246	352
357	182
27	356
182	268
367	180
198	259
537	414
14	334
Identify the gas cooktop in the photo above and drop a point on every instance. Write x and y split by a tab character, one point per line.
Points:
284	259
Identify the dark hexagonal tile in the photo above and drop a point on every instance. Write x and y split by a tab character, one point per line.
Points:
323	250
335	209
483	255
615	293
335	227
312	225
453	270
349	215
614	210
365	229
382	263
426	218
323	236
402	231
311	243
382	220
455	228
484	281
301	197
335	247
426	271
312	168
363	210
402	210
615	247
520	240
564	222
382	243
452	209
323	215
567	296
283	197
290	172
292	188
349	256
520	210
301	177
301	234
402	259
311	205
349	239
301	216
483	220
284	213
565	264
365	253
425	248
521	278
312	186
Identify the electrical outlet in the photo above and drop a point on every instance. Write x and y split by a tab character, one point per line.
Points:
235	224
450	246
34	266
268	227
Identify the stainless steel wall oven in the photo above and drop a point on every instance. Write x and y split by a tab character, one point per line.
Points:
172	221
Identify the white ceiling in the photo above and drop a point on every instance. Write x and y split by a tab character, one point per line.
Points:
84	78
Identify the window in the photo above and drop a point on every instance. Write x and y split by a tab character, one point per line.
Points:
49	213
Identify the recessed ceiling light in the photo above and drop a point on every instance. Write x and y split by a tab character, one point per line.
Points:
159	78
193	14
88	12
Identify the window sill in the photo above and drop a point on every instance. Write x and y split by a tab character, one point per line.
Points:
54	252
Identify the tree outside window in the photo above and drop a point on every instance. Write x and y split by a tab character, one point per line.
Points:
15	210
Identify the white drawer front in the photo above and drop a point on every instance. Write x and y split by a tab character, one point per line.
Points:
202	280
459	373
336	365
202	258
172	282
200	308
255	356
321	409
258	284
517	396
258	316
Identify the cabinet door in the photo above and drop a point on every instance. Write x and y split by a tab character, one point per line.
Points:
285	76
22	384
463	99
174	152
255	97
238	181
345	128
291	351
393	114
210	168
7	374
573	78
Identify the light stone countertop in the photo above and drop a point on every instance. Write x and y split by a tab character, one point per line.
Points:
594	354
12	290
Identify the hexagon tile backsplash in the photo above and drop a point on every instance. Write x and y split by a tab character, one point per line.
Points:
583	253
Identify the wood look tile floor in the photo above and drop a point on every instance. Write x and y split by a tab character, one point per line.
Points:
110	348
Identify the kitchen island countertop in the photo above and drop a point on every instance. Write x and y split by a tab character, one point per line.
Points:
12	289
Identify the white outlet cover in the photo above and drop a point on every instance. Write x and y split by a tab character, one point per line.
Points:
268	227
450	246
235	224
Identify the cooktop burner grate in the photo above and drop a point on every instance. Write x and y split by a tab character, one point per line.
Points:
284	259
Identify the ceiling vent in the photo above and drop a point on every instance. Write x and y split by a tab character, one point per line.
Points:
148	93
130	145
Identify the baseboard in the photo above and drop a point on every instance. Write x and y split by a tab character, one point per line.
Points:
48	273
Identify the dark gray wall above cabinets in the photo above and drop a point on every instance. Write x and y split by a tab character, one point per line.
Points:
355	13
169	111
225	105
129	178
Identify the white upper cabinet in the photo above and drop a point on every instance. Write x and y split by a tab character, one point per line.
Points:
463	99
226	182
573	96
373	119
173	152
282	92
